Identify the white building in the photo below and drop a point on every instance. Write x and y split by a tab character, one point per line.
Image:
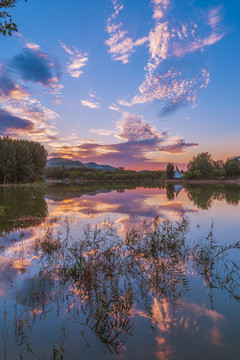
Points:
177	174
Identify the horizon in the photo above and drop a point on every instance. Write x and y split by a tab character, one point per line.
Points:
134	84
162	165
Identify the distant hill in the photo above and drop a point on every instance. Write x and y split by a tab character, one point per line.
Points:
100	167
54	162
59	162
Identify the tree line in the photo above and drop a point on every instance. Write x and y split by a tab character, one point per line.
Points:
82	173
21	161
203	166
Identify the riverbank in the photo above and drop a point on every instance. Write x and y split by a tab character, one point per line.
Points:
37	185
204	181
143	181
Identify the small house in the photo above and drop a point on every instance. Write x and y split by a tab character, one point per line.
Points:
177	174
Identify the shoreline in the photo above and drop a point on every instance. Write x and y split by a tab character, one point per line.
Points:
205	181
162	181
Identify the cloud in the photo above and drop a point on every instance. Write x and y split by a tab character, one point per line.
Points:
32	46
8	123
114	108
121	46
22	115
141	140
91	104
36	66
174	105
29	119
133	128
195	43
102	132
42	118
158	43
173	85
179	29
77	61
159	8
9	89
124	103
177	146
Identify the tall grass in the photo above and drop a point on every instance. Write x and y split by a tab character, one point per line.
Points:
101	281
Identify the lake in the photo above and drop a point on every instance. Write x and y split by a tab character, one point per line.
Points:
118	271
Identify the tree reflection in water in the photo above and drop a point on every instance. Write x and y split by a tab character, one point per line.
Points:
102	282
21	207
204	195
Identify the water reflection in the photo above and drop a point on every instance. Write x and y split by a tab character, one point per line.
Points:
64	284
126	208
21	207
203	196
102	283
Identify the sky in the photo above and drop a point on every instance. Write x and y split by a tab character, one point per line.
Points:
131	83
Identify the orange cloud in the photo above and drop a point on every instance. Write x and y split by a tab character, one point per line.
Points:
141	141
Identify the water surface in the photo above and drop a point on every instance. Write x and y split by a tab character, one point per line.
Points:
116	272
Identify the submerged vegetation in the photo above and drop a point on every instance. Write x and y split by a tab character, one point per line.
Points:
101	282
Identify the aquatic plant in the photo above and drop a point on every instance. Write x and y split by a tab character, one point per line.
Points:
102	281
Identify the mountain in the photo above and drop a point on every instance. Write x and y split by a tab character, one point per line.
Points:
100	167
59	162
54	162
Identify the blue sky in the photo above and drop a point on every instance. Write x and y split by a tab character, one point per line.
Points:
128	83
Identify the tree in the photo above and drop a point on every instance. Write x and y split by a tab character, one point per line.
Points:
170	171
203	163
7	27
24	163
232	167
21	160
8	162
39	159
74	175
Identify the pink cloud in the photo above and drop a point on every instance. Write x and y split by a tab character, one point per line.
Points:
141	138
78	60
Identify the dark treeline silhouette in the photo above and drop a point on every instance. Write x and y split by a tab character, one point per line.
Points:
203	166
21	161
94	174
170	171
